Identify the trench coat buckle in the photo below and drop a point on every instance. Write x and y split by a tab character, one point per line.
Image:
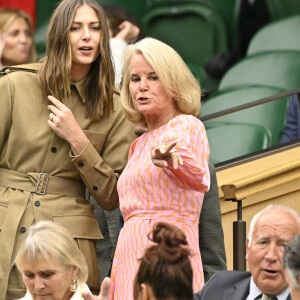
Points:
41	184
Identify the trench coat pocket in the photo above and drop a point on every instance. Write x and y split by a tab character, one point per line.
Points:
3	209
97	139
80	226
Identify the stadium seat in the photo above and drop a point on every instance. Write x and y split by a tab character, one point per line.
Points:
279	9
279	35
270	115
40	37
229	10
194	28
231	140
279	69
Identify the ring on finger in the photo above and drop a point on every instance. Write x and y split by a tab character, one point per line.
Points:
51	116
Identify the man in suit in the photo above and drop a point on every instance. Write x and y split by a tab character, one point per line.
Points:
270	230
211	236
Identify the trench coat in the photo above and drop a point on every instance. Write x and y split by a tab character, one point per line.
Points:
41	180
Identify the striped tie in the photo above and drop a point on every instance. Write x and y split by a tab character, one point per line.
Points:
268	297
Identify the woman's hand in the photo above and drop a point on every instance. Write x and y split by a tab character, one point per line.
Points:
104	293
63	123
2	45
128	31
161	153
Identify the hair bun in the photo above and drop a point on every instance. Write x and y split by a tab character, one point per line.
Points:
171	242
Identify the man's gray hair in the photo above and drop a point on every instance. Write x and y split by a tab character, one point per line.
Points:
269	208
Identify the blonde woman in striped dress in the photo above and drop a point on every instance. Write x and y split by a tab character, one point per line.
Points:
167	172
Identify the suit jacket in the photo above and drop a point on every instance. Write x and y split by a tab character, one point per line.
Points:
226	285
211	236
291	129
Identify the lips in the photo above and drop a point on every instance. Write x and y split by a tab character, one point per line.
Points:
271	272
86	50
143	99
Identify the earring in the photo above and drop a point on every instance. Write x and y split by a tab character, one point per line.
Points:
74	285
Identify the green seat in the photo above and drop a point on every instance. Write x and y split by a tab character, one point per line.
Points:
40	37
230	140
269	115
194	28
206	83
280	35
229	10
279	69
279	9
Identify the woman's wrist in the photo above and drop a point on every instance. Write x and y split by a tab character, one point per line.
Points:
78	144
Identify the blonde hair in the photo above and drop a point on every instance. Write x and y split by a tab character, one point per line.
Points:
174	74
8	16
48	241
56	67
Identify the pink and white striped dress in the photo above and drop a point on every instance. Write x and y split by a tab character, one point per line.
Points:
149	194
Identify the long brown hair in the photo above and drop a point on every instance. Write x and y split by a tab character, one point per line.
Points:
8	16
56	68
166	266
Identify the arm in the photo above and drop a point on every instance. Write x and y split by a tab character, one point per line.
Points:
290	131
211	236
128	31
190	149
6	104
99	171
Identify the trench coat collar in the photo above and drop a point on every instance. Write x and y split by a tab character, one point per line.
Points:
79	85
80	88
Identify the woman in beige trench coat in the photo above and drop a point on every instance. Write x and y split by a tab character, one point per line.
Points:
61	129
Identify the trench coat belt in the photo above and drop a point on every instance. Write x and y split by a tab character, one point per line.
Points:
42	183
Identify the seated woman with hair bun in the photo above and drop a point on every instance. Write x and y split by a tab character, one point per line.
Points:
165	270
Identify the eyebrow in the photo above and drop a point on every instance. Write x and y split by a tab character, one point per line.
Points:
134	74
94	22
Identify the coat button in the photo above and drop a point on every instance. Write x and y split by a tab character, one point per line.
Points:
95	188
80	164
53	149
23	229
37	203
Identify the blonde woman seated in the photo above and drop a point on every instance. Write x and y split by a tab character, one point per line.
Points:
51	264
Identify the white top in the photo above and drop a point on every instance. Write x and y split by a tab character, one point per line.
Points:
117	47
254	292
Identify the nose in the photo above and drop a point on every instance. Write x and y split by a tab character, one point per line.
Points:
86	36
23	38
143	84
39	284
272	253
